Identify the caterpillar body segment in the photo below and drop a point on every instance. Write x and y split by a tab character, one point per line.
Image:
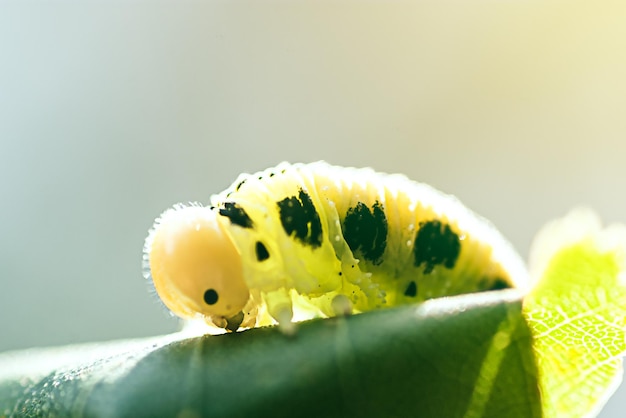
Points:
326	240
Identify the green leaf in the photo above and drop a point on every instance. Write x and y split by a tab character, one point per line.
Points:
467	356
577	312
556	353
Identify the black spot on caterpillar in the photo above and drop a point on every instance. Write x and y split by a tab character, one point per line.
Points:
323	238
435	244
261	252
300	219
411	290
365	231
236	214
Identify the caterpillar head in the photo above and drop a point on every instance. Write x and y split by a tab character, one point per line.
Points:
195	266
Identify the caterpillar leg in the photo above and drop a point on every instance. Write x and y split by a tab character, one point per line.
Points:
280	307
231	324
341	305
216	321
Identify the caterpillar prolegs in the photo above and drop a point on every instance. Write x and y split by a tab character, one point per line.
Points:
321	240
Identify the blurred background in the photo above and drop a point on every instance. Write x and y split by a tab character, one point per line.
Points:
112	111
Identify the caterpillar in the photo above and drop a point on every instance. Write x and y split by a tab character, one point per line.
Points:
319	240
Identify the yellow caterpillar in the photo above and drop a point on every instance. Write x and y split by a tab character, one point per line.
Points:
324	240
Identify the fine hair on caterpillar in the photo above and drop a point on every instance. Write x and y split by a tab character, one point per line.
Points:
301	241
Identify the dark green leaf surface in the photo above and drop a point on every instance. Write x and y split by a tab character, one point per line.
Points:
467	356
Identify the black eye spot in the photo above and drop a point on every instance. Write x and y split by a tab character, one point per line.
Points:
210	297
261	252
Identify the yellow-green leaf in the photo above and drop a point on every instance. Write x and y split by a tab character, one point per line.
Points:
576	313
